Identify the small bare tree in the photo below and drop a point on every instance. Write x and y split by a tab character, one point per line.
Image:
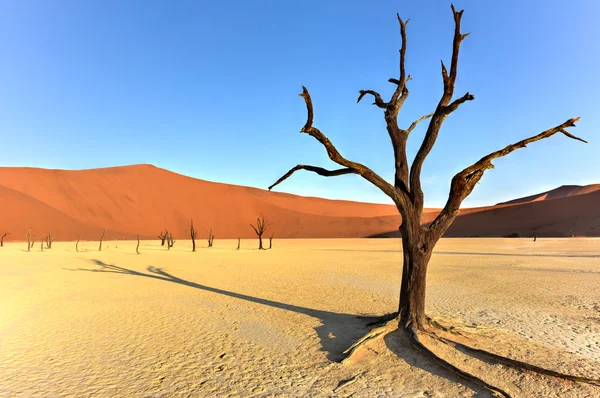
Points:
2	239
406	192
170	241
211	238
271	241
49	239
101	239
163	236
261	226
137	248
77	243
42	243
238	246
193	233
33	241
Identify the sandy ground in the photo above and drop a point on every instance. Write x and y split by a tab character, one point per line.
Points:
221	322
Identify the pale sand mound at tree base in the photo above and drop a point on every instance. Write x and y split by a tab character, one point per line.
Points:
227	323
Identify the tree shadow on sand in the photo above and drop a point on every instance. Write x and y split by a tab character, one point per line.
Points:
336	333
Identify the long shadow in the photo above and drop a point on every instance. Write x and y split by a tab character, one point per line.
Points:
336	333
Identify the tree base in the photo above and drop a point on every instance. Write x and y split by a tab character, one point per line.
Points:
448	337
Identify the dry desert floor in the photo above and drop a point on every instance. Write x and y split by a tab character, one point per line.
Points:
250	323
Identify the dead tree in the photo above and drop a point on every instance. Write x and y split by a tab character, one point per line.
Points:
419	240
163	236
270	241
261	226
101	239
33	241
211	238
193	233
42	243
28	240
534	238
238	246
170	241
137	248
2	239
49	239
77	243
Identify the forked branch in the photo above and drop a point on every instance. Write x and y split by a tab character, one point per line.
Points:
335	156
464	182
443	109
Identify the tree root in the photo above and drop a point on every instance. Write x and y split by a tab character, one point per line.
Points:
378	320
413	336
511	363
413	332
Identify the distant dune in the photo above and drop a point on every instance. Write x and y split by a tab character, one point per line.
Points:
145	199
560	192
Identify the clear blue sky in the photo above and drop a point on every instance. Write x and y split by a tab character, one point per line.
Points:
209	89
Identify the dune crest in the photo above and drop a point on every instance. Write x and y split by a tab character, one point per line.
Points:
146	199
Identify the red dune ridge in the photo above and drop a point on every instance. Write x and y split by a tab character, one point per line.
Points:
145	199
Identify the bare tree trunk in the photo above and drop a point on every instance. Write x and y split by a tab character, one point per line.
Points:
101	238
260	245
2	239
163	236
238	247
77	243
417	248
271	242
33	241
193	235
137	248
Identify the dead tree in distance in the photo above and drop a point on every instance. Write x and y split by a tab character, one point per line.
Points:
163	236
101	239
2	238
33	241
170	241
77	243
28	239
137	248
238	246
42	243
211	238
261	226
193	233
49	239
418	240
271	241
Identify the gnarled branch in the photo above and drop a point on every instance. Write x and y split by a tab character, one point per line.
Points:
319	170
440	114
464	182
378	100
335	155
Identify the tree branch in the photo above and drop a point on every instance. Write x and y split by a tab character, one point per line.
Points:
440	114
401	89
378	100
334	155
419	120
464	182
314	169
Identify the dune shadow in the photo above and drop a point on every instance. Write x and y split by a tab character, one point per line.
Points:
336	333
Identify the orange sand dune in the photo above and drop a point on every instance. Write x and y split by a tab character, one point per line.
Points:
560	192
145	199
